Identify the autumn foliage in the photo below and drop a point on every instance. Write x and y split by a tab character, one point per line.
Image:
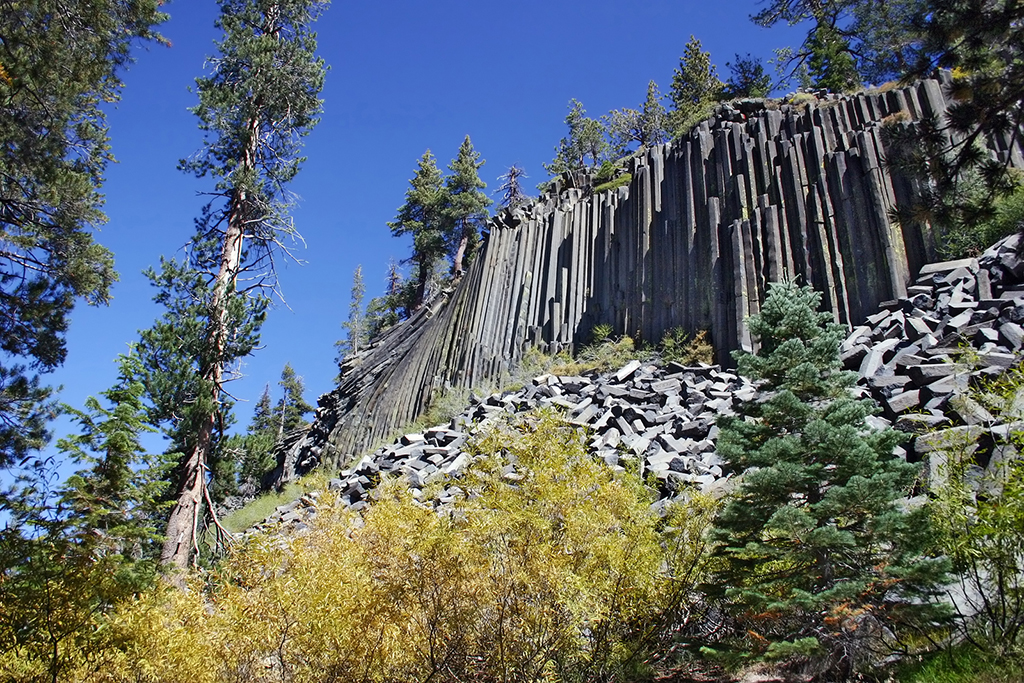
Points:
554	568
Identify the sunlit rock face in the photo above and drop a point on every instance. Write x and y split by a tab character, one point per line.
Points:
757	193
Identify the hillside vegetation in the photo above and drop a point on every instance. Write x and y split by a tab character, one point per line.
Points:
792	538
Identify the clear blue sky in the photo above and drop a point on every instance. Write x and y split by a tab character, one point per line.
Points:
405	76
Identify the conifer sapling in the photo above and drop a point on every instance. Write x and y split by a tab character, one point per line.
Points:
817	544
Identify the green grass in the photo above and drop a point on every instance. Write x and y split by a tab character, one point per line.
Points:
962	664
621	181
262	507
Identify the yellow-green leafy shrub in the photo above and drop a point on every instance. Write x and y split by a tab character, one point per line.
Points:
555	569
980	517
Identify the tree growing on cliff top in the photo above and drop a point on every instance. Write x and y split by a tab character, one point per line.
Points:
695	89
260	99
586	140
356	325
747	78
422	217
60	63
816	547
466	210
646	126
511	188
385	311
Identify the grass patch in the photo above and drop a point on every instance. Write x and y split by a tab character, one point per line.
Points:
962	664
621	181
263	506
602	357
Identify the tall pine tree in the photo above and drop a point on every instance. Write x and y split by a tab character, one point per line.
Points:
423	218
466	212
695	88
816	544
260	99
60	63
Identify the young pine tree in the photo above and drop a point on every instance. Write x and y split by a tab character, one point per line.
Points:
116	504
253	451
386	311
355	327
291	408
466	212
816	543
70	554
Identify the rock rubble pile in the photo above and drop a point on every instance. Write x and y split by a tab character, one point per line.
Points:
961	323
657	418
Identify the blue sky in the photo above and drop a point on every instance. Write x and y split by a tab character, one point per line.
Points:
404	77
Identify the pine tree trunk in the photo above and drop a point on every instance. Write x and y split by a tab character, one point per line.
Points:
421	288
183	524
460	255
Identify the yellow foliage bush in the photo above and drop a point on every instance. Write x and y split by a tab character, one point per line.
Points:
551	566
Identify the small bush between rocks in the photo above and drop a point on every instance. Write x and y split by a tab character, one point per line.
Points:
609	354
677	346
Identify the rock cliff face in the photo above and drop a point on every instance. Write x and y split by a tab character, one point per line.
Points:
921	358
755	194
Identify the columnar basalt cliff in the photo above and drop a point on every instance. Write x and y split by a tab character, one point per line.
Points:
757	193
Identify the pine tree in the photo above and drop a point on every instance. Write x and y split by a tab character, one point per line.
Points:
695	88
116	504
70	553
646	127
586	139
747	79
253	451
829	61
262	415
423	217
255	107
816	541
511	188
292	407
355	327
466	212
60	63
851	39
983	44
